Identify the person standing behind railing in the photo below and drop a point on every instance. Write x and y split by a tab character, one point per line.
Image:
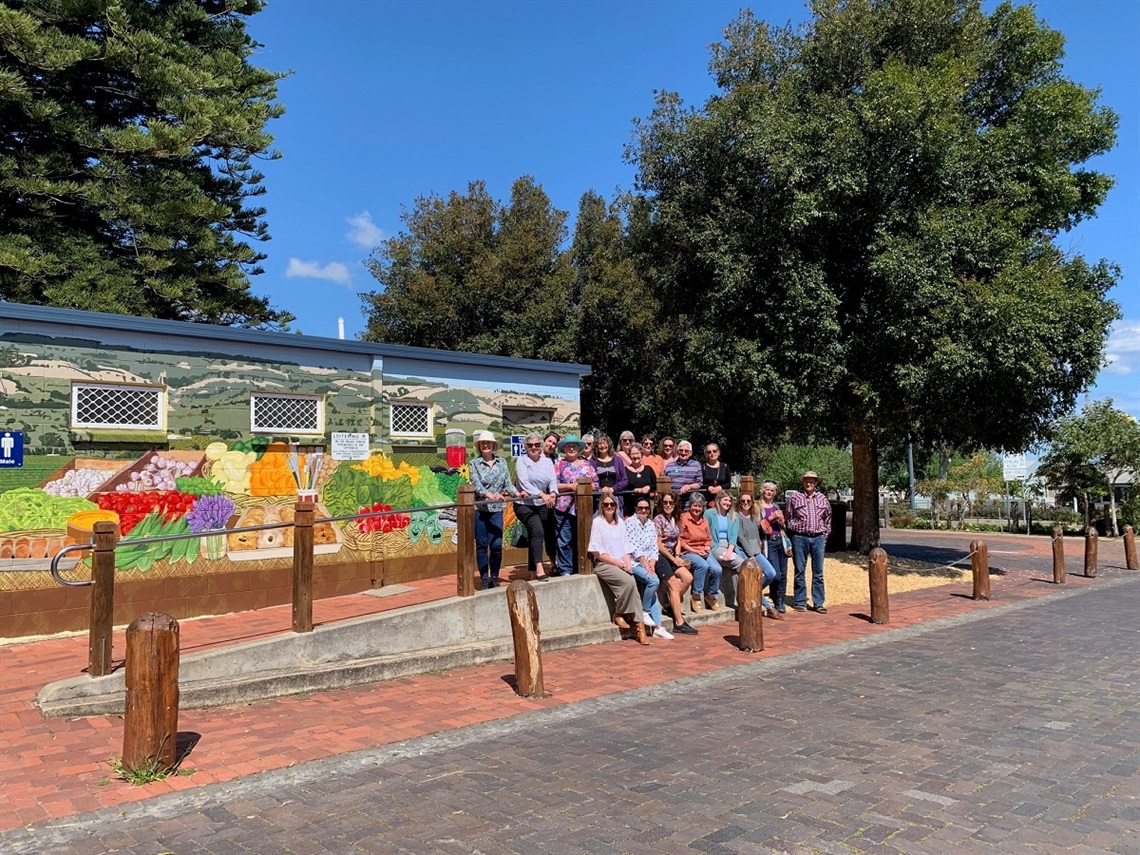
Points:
778	545
640	480
568	470
492	482
685	473
534	475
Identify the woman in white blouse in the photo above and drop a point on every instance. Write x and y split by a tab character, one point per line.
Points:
612	555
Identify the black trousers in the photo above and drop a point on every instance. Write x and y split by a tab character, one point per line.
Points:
539	522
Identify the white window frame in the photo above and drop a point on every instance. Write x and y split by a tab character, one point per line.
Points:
160	405
277	429
427	405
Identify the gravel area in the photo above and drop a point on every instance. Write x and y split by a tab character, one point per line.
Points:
846	577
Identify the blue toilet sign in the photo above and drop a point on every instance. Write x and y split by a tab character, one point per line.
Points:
12	448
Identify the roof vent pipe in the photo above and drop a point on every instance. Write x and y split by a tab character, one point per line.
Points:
340	327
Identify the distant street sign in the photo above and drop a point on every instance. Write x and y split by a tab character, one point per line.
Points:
1014	467
12	448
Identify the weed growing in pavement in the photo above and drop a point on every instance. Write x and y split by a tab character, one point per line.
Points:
152	770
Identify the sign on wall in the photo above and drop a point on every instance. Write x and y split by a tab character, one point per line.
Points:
12	448
350	446
518	445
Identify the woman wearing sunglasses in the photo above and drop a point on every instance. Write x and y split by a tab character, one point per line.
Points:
671	569
534	476
643	541
612	555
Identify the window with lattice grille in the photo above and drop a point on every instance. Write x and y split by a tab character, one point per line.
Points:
100	405
284	413
411	419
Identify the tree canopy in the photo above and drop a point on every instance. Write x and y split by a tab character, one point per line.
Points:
470	273
128	135
857	232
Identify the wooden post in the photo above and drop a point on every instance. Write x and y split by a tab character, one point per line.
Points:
664	485
523	608
980	568
748	485
877	574
1130	548
1090	552
749	607
466	567
106	535
303	567
584	507
1058	555
150	723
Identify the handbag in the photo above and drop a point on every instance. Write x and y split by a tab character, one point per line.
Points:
519	537
766	526
787	544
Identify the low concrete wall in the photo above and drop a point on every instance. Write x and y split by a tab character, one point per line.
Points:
440	635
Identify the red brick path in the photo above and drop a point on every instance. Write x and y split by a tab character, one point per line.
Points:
54	768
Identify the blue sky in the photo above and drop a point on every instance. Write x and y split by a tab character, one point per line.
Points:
392	100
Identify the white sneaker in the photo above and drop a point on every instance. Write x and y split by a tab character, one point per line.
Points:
648	621
662	632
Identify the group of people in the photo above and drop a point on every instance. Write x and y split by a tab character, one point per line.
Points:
645	545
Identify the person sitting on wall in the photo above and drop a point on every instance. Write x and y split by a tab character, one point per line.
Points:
685	473
534	476
752	540
643	541
696	548
568	470
716	477
671	569
492	482
613	565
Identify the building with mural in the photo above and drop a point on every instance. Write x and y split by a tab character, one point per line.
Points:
171	427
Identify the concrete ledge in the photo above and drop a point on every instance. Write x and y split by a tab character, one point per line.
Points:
437	636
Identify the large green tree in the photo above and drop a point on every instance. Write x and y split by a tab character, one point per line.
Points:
470	273
868	208
128	135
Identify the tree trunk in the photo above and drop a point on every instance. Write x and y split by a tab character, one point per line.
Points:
1112	507
865	504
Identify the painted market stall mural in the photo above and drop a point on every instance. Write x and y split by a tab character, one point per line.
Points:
199	468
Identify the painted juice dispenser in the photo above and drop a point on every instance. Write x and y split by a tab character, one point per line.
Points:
456	442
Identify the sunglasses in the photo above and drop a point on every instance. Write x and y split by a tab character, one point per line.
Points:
668	503
534	445
609	504
746	501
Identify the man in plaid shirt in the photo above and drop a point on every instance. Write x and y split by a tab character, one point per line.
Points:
808	523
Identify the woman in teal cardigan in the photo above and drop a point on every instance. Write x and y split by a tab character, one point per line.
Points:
724	526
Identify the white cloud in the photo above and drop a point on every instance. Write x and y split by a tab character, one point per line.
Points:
364	232
334	271
1122	351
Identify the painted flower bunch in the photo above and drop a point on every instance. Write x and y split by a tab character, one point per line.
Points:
210	512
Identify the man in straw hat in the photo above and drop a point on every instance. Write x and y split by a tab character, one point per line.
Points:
809	523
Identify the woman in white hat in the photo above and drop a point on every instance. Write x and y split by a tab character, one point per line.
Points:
492	482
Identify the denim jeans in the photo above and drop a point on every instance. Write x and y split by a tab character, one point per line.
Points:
776	557
488	542
704	569
802	546
767	574
566	531
648	583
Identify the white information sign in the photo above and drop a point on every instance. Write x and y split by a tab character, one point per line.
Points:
350	446
1014	467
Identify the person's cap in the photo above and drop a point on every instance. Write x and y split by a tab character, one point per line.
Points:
570	439
809	475
485	436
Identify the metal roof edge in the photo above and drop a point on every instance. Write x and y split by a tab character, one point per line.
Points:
189	329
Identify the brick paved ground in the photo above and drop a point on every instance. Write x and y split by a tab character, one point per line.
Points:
1014	728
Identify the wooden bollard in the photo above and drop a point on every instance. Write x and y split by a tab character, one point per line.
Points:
980	569
150	724
749	607
1058	555
877	576
584	507
664	486
466	567
303	567
1130	548
748	485
523	608
106	535
1090	552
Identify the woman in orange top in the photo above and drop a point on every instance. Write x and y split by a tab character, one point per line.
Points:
696	549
